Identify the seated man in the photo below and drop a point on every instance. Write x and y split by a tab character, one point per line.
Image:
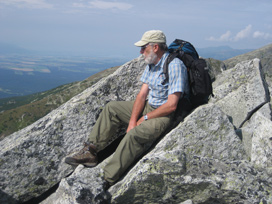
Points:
146	119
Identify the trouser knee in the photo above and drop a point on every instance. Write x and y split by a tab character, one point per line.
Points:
109	110
111	106
119	110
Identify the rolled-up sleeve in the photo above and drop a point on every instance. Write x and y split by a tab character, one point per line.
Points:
178	78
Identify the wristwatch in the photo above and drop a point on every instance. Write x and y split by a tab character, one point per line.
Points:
145	117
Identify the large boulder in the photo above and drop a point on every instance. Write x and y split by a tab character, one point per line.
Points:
241	90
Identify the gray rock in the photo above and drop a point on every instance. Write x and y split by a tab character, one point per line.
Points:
83	186
216	67
187	202
256	137
241	90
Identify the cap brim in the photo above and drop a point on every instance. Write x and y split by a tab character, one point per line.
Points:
140	43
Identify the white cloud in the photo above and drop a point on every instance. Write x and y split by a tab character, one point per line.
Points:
224	37
110	5
258	34
104	5
243	33
27	3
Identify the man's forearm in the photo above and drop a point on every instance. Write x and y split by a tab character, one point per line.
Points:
137	109
165	109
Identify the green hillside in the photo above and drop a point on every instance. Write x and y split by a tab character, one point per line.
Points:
19	112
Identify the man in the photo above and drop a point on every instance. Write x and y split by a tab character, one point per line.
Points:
146	120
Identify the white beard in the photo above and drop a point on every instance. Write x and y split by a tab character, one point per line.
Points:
151	58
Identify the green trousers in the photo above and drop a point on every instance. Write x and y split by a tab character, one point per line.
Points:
132	145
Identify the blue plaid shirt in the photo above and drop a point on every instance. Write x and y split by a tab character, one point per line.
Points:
154	77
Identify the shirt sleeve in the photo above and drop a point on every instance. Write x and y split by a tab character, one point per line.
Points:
178	77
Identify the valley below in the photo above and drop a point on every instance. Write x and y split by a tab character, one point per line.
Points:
22	75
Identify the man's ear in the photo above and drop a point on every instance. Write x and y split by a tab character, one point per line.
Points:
156	48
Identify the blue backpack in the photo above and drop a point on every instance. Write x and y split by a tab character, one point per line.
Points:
198	73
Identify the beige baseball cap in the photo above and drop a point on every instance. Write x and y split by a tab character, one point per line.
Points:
152	36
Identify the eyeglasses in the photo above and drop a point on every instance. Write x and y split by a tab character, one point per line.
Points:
143	47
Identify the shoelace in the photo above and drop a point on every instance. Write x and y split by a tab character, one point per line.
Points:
86	148
83	150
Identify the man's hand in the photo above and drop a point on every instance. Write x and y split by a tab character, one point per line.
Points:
140	120
165	109
138	107
131	126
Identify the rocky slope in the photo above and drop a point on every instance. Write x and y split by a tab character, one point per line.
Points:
220	153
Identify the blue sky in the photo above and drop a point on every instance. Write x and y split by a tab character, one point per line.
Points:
110	28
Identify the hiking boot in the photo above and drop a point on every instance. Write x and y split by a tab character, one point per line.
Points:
86	156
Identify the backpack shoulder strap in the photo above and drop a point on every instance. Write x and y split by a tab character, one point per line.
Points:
169	59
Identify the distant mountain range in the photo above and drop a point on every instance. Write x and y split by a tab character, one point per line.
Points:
8	49
219	53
